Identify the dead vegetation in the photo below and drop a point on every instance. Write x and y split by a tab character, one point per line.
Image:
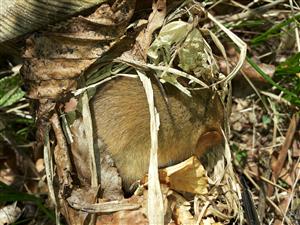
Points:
203	43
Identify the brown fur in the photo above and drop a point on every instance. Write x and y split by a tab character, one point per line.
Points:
122	122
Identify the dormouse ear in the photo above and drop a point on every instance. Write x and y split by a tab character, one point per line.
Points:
208	140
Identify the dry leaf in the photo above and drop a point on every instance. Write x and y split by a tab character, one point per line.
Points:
10	214
82	196
56	57
188	176
210	221
111	183
155	21
39	164
181	210
7	175
71	105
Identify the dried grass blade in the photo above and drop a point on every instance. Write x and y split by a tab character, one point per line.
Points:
242	45
155	199
88	127
50	173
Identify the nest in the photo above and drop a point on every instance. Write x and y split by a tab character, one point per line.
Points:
63	67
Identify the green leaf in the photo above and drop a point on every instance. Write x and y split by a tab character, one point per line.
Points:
9	194
249	23
10	90
240	155
275	30
288	95
266	119
290	66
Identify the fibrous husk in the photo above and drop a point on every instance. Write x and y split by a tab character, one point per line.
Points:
21	17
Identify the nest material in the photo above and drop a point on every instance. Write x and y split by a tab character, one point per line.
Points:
65	63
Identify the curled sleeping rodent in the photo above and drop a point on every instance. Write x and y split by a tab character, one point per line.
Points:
188	125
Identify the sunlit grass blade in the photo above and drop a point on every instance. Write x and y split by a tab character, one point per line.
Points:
290	96
275	30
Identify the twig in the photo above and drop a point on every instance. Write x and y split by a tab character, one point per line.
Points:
276	97
256	91
287	143
252	12
266	180
292	193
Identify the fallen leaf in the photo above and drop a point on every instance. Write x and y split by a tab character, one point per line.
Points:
188	176
181	210
10	214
